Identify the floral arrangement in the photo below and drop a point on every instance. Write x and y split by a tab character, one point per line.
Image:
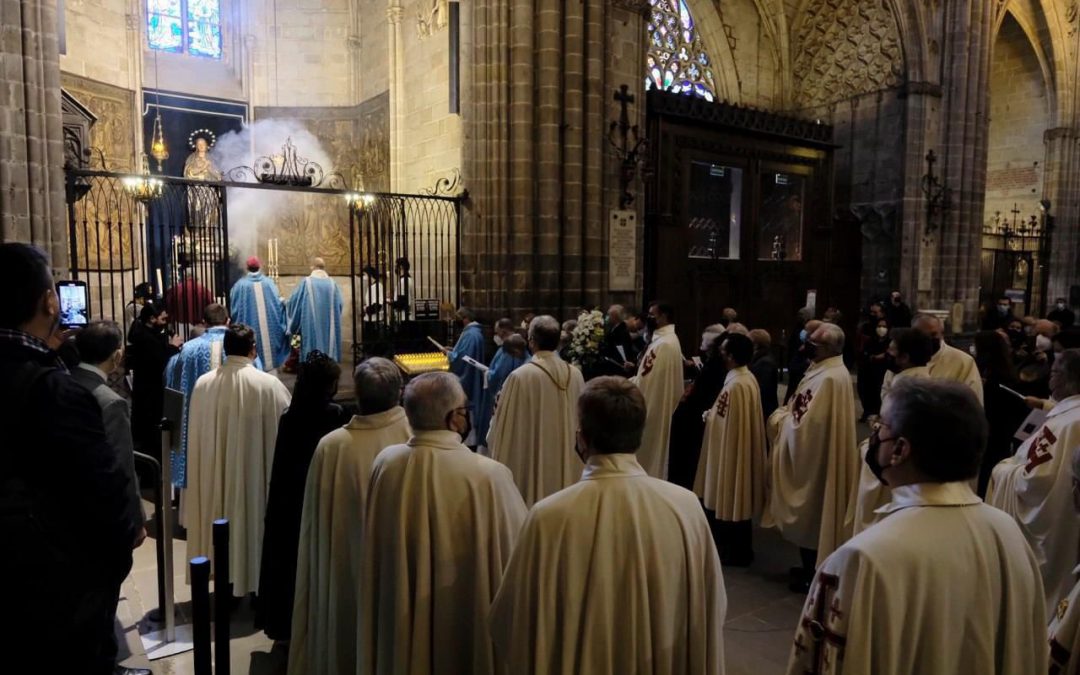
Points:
585	341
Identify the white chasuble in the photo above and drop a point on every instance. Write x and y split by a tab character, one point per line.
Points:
731	470
660	379
1065	633
440	525
872	493
950	363
1035	487
943	585
327	598
616	574
815	460
232	429
534	425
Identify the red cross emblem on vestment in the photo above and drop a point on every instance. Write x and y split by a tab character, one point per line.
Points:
723	403
647	364
802	404
825	608
1039	450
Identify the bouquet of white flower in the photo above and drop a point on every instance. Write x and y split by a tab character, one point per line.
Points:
585	341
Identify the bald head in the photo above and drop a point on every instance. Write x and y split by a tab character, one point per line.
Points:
829	339
318	264
430	398
738	328
1046	328
811	326
544	333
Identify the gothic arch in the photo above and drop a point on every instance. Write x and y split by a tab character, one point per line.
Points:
1046	25
711	31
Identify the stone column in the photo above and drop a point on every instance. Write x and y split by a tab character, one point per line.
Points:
1062	188
31	145
537	159
397	84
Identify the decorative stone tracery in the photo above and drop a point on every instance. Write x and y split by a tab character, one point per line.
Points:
845	48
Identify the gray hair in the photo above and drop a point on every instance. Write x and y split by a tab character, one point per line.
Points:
378	385
618	310
430	398
944	423
738	328
833	336
544	332
1067	364
466	314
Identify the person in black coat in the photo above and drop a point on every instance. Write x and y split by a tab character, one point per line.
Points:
872	367
763	366
1004	411
617	350
64	521
311	415
897	311
1062	315
148	350
687	425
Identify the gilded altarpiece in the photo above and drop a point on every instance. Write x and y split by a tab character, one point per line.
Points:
357	141
112	242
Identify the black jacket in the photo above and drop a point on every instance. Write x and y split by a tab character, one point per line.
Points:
63	491
765	370
148	350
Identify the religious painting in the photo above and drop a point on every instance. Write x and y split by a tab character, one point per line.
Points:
317	226
108	229
781	218
714	211
373	143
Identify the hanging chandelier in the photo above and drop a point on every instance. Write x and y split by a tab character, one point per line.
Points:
158	150
143	187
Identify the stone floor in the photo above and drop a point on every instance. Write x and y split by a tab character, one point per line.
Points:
761	616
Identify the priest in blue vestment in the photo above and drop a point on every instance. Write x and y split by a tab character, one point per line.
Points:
197	357
469	343
513	352
315	313
255	302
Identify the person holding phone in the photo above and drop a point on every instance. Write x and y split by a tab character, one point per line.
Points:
64	516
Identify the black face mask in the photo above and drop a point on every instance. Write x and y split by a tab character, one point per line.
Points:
650	323
937	346
871	458
809	350
578	451
1016	336
468	424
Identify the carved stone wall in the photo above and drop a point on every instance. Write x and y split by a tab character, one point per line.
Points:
844	48
114	108
310	225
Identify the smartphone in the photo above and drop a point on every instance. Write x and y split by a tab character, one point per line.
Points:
74	304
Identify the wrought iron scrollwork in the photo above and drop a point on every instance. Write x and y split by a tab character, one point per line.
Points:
447	186
286	168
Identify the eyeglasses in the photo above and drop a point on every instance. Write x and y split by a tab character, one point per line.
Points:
875	430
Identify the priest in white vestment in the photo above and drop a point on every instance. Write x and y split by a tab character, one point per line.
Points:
616	574
943	584
232	430
948	362
331	528
1065	622
532	431
440	525
1035	485
660	378
730	476
815	458
908	353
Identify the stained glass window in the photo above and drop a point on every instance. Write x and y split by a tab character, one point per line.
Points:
677	61
192	26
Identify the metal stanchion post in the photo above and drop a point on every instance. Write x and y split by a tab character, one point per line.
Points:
200	609
222	596
166	524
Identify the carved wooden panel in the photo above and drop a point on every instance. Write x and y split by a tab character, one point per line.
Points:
108	230
844	48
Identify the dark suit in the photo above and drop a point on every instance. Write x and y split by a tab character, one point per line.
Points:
618	336
764	368
64	520
116	417
148	351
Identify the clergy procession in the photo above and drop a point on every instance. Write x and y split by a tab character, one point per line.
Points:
567	505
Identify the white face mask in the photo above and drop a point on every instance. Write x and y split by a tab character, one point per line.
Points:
971	350
498	341
1061	305
1043	343
524	325
882	331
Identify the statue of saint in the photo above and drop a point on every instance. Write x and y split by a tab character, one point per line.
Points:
198	165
